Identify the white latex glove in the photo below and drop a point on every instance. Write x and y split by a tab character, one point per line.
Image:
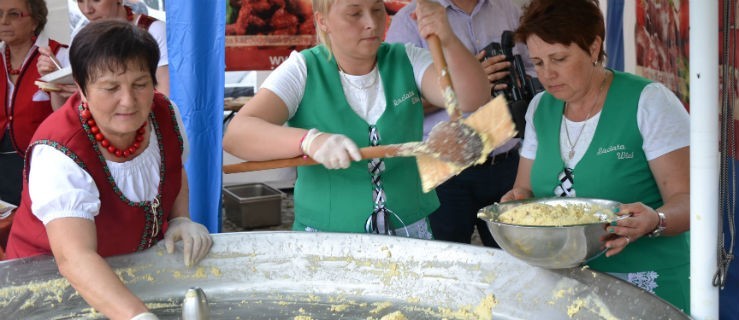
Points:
145	316
335	151
194	236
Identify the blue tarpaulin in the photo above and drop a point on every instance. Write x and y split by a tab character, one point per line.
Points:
196	47
615	35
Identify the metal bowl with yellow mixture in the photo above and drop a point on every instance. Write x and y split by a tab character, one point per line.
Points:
551	233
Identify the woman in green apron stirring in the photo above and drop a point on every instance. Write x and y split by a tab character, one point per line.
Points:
353	90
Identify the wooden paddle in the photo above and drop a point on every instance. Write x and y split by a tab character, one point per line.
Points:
410	149
385	151
445	81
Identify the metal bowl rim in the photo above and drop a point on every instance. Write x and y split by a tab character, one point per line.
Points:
544	200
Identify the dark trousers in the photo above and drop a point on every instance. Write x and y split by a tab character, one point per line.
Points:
729	295
11	172
464	195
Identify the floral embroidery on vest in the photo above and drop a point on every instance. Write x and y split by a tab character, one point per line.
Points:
646	280
176	125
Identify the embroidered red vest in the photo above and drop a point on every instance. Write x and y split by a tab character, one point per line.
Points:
25	115
122	226
145	21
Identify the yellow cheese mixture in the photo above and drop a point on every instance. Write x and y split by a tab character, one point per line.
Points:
541	214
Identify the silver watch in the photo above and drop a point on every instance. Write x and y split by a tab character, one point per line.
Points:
661	226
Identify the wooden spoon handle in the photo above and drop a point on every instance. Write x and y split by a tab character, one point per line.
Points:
445	80
385	151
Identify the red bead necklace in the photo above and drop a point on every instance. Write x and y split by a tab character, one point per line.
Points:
7	62
100	138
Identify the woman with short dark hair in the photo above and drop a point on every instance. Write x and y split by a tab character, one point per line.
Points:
638	155
105	174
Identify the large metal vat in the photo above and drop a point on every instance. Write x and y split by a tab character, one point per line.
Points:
290	275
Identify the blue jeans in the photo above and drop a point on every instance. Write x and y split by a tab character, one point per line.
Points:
462	196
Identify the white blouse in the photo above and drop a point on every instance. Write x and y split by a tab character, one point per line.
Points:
364	93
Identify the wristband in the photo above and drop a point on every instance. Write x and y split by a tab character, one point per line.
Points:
300	145
308	141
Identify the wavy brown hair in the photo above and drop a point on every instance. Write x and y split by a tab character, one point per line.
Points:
564	22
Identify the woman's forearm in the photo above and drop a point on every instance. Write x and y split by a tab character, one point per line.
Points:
251	138
96	282
468	77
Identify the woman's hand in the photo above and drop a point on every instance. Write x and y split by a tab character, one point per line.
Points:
45	65
333	151
431	19
195	237
516	193
66	90
643	220
58	98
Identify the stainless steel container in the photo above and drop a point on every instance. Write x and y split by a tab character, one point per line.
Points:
551	247
253	205
284	275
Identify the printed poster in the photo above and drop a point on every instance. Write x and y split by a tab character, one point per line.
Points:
260	34
662	46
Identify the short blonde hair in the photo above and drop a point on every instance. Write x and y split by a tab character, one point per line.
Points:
323	7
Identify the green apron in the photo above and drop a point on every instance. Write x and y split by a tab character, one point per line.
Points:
341	200
614	167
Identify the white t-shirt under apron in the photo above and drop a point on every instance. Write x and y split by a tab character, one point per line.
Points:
663	129
365	93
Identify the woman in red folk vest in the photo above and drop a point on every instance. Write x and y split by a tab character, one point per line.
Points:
104	173
24	106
